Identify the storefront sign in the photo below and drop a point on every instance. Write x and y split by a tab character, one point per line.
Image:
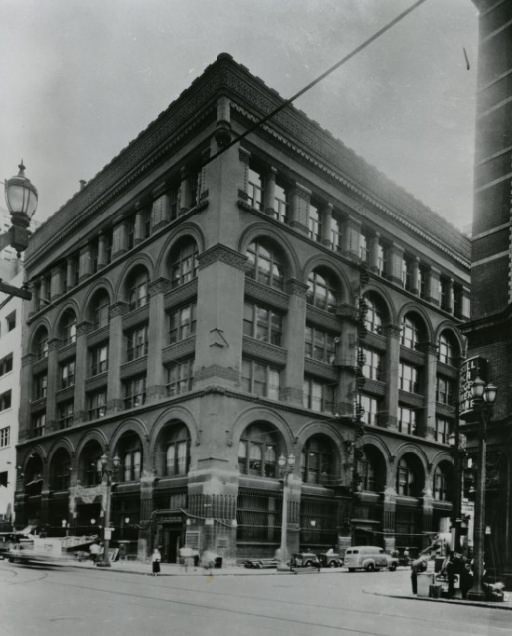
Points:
472	368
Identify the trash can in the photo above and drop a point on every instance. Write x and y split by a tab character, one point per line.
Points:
425	580
218	562
435	590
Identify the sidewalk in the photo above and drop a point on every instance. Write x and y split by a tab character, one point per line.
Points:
503	605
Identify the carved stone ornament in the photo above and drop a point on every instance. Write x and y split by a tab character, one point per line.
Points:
224	255
118	309
159	286
296	287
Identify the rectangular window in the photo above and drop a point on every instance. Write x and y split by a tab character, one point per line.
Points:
134	391
65	417
443	427
38	424
99	359
182	323
254	189
260	378
97	404
263	323
179	377
280	203
372	367
314	223
370	410
67	374
445	391
320	345
363	248
407	420
336	238
381	260
318	396
5	400
6	364
11	321
409	378
5	436
40	386
137	342
130	231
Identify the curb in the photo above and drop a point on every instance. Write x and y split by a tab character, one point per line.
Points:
452	601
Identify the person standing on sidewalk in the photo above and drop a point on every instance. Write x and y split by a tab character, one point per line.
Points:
156	557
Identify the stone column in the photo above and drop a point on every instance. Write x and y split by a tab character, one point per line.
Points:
146	508
433	295
52	382
428	426
85	263
300	199
326	216
81	371
346	360
102	250
115	355
373	250
157	339
269	191
449	295
119	239
427	509
351	237
415	275
389	517
390	415
138	230
295	324
396	264
70	276
186	196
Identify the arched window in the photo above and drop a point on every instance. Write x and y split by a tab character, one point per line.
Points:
409	477
183	263
321	291
447	351
99	310
318	461
40	348
441	484
258	450
410	332
60	471
68	327
177	452
265	265
138	288
371	470
90	464
374	316
129	450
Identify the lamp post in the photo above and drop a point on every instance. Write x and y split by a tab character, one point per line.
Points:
484	397
457	442
107	471
286	466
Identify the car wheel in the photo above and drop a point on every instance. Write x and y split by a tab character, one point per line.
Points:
308	564
332	564
351	569
370	567
392	567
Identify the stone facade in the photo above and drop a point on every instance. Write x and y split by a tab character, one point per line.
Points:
220	310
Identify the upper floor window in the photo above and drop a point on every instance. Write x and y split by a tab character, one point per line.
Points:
407	420
336	236
65	414
131	461
406	482
134	391
182	323
264	265
443	428
317	461
410	333
320	345
38	424
370	414
41	344
97	404
177	453
373	317
318	395
67	374
363	247
100	310
263	323
445	390
180	376
314	222
446	293
255	189
5	436
372	367
11	321
68	327
40	386
441	484
183	265
130	231
281	203
258	452
260	378
137	342
99	359
381	259
409	378
138	289
6	364
321	291
447	350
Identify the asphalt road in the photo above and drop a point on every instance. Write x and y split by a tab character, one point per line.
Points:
79	602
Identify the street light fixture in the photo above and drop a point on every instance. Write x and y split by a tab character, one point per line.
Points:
457	443
286	467
484	397
107	472
21	199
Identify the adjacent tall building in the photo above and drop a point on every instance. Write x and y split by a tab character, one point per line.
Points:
200	309
489	333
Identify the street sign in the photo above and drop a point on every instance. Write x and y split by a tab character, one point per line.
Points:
470	369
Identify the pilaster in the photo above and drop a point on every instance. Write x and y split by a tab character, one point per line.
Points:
115	352
157	339
396	264
269	191
294	343
81	370
392	365
119	239
351	237
85	262
433	282
300	199
326	215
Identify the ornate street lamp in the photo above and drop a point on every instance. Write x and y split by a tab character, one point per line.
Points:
484	397
107	472
21	199
286	467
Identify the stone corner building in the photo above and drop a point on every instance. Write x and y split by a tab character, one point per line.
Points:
200	315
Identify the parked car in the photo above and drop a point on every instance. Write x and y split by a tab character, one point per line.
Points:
330	560
305	560
369	558
260	563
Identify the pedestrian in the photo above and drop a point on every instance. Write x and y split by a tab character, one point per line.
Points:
449	568
466	579
156	557
94	550
418	565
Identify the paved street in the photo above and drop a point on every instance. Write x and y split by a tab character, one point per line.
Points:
81	602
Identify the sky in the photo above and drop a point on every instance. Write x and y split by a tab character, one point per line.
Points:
81	78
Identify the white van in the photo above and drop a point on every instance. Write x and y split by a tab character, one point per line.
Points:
369	558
